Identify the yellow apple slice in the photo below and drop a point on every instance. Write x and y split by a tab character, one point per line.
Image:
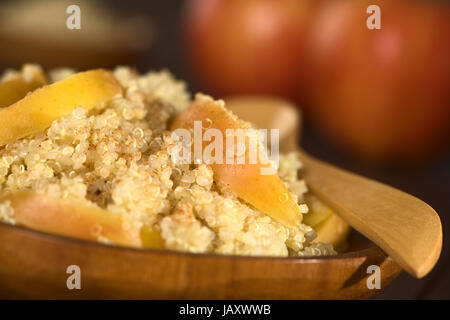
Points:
318	212
329	227
16	88
333	230
38	110
151	238
267	192
71	218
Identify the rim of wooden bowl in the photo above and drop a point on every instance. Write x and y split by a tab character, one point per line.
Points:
61	238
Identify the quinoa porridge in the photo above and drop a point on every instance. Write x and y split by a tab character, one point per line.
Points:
117	156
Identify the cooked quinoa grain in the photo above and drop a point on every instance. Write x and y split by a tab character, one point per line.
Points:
118	157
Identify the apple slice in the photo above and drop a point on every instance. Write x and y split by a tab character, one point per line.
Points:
151	238
267	192
318	212
71	218
16	88
329	227
38	110
333	230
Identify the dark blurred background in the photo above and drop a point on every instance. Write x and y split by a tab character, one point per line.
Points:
376	102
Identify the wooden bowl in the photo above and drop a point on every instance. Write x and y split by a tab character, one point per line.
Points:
33	265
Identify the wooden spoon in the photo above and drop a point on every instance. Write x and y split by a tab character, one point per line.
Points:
405	227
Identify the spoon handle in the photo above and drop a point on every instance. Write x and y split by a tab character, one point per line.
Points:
405	227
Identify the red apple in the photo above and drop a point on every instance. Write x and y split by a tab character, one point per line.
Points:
246	46
384	94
